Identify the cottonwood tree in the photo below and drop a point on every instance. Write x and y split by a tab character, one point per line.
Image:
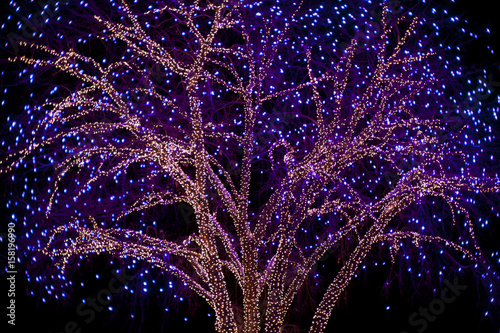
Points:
293	130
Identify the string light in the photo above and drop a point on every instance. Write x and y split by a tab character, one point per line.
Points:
285	145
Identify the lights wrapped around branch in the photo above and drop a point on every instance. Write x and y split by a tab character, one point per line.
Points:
183	105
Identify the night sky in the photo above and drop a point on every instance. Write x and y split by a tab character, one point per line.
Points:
367	307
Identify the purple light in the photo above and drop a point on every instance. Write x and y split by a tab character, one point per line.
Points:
267	142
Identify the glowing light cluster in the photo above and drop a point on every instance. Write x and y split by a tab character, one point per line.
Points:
286	132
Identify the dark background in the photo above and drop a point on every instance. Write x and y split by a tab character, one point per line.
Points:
366	309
